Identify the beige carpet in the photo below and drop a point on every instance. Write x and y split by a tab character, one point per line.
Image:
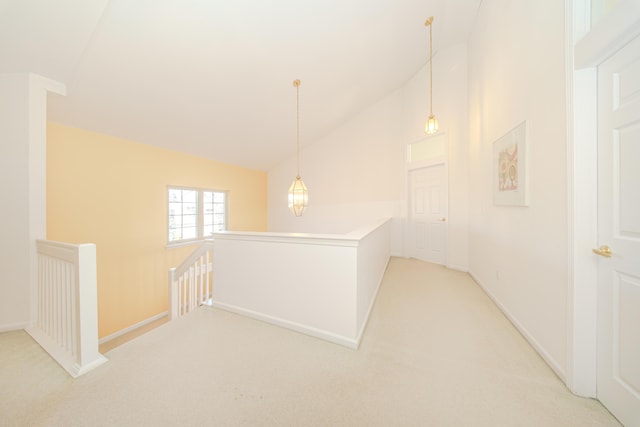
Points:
437	352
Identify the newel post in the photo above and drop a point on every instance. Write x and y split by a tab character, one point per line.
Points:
87	352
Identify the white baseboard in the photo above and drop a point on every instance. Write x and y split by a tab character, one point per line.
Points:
132	327
304	329
78	370
458	268
365	321
8	327
553	364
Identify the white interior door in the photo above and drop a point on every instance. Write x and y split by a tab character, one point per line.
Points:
618	379
428	209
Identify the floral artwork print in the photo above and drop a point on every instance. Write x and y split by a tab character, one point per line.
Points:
508	168
511	168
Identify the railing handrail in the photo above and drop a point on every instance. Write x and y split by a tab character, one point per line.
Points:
193	257
60	250
351	239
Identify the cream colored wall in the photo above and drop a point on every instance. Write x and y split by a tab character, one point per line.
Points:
112	192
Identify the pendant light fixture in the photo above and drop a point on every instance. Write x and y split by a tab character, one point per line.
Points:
432	123
298	194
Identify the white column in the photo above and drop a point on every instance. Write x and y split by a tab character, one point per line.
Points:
23	127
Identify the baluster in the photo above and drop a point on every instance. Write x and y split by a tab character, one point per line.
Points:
63	306
180	297
192	288
56	306
72	330
49	296
71	289
73	301
210	273
183	291
208	282
42	294
198	282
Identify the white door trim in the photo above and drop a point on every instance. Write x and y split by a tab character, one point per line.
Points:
410	166
622	25
434	253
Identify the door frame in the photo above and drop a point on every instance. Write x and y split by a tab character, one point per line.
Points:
445	173
411	166
593	46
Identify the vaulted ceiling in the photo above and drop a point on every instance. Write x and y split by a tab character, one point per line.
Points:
214	78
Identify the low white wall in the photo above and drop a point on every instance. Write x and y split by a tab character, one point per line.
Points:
322	285
373	256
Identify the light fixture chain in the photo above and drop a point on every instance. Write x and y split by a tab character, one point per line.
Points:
430	71
431	126
298	195
297	83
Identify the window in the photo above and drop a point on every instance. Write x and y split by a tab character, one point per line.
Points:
214	208
195	214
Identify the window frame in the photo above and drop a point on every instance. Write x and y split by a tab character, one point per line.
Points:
200	214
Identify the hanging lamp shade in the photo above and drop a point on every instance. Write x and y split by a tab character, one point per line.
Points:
431	126
298	198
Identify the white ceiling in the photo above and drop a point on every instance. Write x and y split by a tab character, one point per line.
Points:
214	78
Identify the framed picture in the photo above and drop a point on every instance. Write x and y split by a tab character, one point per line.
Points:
510	168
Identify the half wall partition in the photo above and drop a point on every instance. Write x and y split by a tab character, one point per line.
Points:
322	285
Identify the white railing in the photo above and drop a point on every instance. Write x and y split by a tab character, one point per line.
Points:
65	322
191	283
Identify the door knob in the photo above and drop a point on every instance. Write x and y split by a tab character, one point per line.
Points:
604	251
443	219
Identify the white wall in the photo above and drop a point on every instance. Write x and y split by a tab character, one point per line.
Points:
512	69
14	187
519	254
450	106
352	174
23	190
357	173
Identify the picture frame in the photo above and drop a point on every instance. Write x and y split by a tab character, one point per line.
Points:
511	168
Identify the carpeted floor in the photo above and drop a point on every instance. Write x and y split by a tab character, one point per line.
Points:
437	352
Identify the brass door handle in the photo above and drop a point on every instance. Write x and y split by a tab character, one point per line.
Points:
603	250
443	219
